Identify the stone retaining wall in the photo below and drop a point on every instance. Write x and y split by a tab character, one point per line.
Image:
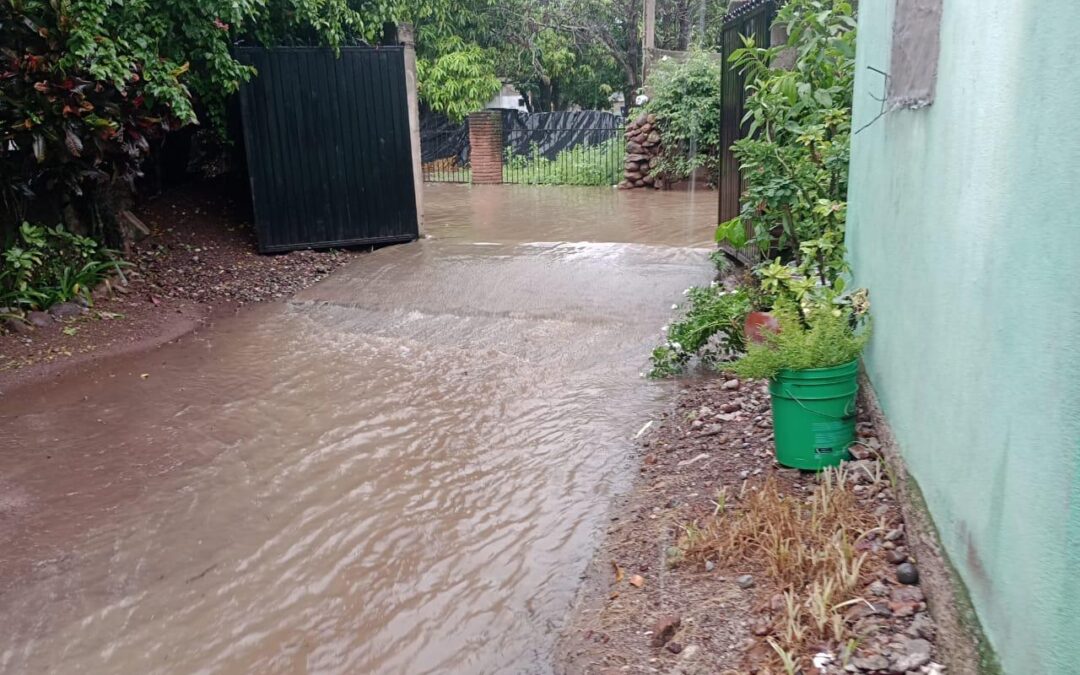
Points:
643	145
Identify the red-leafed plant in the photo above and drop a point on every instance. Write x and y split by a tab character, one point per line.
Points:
64	135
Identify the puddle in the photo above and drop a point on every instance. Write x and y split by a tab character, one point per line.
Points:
402	470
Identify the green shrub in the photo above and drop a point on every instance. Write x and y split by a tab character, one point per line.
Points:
48	266
582	164
794	158
686	101
711	329
819	336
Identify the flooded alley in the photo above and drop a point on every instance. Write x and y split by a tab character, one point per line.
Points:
402	469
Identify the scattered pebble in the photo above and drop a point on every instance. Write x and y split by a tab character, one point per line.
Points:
664	629
907	574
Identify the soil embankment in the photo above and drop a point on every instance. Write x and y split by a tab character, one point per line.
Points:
657	598
199	260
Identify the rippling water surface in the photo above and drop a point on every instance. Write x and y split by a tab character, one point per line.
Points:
402	470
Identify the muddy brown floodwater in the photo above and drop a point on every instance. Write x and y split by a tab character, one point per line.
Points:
404	469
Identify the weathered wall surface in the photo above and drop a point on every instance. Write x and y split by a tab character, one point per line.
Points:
965	225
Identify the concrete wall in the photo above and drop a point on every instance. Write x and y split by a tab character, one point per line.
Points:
965	226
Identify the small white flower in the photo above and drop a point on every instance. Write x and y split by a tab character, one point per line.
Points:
687	291
714	284
663	330
676	346
674	306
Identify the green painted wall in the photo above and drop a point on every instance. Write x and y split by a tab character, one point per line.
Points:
965	226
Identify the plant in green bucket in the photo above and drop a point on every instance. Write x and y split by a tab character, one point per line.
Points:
810	357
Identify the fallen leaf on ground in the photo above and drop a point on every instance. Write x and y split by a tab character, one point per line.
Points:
618	572
637	581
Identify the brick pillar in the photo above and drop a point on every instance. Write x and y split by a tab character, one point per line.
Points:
486	147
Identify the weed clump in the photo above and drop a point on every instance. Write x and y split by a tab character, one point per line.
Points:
806	547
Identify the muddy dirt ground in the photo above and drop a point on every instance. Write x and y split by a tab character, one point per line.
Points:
644	609
199	260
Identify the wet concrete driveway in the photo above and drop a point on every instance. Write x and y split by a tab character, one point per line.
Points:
402	470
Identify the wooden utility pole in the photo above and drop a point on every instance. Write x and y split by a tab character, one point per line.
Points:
649	43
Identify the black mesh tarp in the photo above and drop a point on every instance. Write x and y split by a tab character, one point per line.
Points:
551	133
441	138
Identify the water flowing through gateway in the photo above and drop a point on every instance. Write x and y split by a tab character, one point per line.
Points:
404	469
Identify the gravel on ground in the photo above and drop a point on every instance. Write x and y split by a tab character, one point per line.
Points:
200	260
643	609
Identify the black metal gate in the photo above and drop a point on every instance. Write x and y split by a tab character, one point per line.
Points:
753	20
328	147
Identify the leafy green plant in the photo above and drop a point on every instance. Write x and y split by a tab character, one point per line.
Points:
459	80
720	262
795	156
582	164
686	101
52	265
816	333
71	123
711	329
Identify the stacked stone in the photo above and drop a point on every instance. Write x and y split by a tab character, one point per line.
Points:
642	154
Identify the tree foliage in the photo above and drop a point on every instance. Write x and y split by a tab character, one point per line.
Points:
686	102
76	113
457	81
795	158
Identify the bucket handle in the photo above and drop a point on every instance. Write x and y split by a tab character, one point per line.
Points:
817	412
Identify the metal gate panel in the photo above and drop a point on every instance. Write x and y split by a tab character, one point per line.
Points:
755	21
328	147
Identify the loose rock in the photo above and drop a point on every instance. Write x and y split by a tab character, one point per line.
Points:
664	629
922	626
870	663
907	574
66	309
39	319
915	654
18	326
745	581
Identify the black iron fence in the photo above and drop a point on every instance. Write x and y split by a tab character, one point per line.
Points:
584	147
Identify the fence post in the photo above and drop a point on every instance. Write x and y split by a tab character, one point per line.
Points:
486	147
406	39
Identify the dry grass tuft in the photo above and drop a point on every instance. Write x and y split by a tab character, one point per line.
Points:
805	546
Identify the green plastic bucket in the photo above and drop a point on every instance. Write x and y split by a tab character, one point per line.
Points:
814	415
